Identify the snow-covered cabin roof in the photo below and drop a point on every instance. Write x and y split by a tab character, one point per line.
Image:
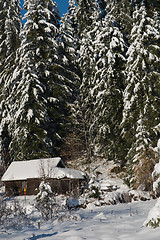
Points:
38	168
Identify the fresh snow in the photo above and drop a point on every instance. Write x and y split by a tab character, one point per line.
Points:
30	114
22	170
96	222
118	222
154	215
156	172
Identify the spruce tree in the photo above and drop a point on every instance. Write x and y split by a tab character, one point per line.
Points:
10	25
69	32
102	58
122	11
39	105
141	95
69	46
87	15
109	85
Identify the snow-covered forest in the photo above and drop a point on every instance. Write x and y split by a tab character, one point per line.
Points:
86	84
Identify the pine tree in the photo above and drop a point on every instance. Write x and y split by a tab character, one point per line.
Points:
141	95
10	25
39	105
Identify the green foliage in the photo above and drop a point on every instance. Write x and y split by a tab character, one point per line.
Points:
153	223
44	87
10	26
94	192
97	73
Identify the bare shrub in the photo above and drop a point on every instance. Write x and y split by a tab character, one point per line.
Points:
72	148
12	214
143	170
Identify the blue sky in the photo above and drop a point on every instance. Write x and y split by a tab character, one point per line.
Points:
62	5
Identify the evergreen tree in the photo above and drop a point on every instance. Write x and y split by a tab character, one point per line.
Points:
88	11
109	85
39	105
103	7
102	61
87	15
46	202
69	32
122	11
141	95
10	25
69	42
156	6
69	45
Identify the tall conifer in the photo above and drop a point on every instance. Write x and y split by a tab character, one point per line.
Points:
141	95
39	103
10	25
87	15
109	85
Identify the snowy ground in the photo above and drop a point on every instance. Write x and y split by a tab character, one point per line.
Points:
114	222
109	222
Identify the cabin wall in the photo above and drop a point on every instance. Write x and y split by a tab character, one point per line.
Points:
17	188
59	186
33	186
66	186
13	188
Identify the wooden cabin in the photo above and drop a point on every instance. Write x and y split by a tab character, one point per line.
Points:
24	177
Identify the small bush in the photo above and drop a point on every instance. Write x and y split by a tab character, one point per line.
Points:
45	202
95	192
153	223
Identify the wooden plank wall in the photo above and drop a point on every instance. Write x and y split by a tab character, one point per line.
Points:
59	186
